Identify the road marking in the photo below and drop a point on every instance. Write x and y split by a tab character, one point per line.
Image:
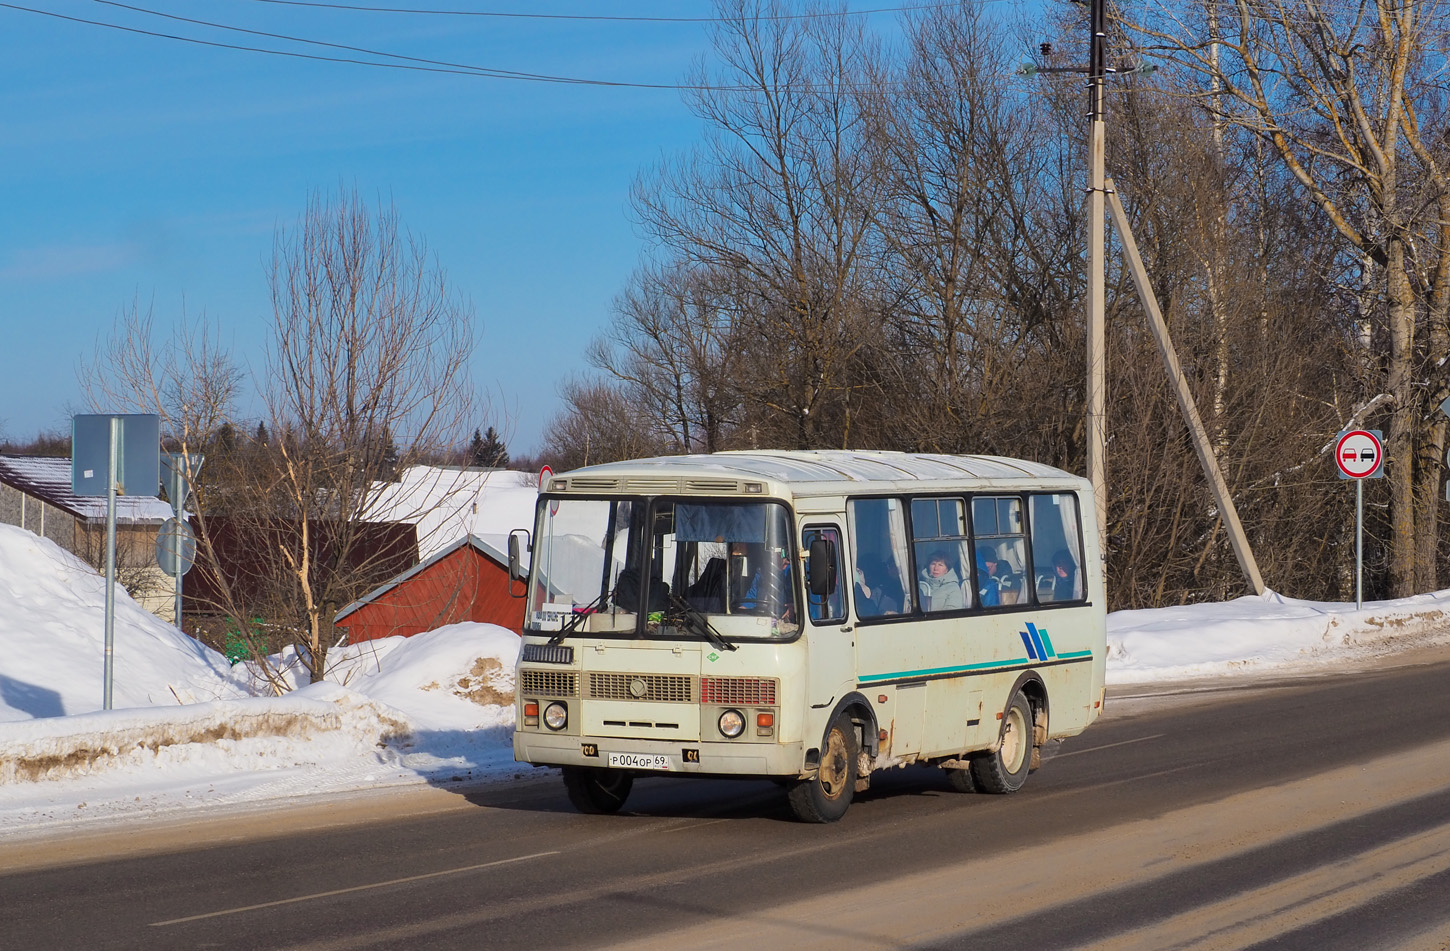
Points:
347	891
1094	749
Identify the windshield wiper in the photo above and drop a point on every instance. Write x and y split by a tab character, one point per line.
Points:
697	622
571	625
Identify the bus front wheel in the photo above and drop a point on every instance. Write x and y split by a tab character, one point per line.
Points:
826	797
597	791
1006	769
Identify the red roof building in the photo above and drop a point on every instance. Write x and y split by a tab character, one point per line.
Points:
467	581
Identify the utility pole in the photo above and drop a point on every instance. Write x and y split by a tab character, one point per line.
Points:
1097	355
1100	193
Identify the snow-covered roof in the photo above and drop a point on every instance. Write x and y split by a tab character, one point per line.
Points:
48	478
817	469
448	503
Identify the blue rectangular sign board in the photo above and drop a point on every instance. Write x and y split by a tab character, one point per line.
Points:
138	464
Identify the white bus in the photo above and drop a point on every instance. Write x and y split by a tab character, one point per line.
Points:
809	617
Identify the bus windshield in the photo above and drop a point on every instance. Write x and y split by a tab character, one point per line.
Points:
657	567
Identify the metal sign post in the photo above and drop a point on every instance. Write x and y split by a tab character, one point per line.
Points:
1359	454
128	450
176	543
114	472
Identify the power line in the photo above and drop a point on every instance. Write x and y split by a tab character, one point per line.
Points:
417	65
404	62
592	18
490	71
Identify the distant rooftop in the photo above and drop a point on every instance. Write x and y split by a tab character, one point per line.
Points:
48	478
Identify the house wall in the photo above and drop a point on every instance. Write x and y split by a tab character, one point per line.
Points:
33	514
464	586
136	567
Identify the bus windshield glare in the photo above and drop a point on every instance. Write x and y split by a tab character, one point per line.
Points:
640	567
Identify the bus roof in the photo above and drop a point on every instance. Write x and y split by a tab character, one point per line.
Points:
802	472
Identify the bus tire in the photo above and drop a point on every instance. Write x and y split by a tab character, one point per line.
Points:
826	796
961	780
1005	769
597	791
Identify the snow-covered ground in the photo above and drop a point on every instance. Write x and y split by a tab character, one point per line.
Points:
189	731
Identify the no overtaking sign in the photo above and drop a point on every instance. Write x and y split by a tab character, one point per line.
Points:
1360	454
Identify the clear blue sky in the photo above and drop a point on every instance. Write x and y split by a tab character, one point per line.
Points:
138	167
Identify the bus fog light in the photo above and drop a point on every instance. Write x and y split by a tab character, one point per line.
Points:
556	716
531	713
732	724
764	724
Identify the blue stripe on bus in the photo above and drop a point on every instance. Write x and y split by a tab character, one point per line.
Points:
1042	653
871	678
1071	654
1027	642
1046	641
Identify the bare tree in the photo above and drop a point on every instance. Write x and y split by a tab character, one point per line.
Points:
1346	97
676	344
367	371
601	423
780	194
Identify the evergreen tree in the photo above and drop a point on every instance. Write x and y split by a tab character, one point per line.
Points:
488	450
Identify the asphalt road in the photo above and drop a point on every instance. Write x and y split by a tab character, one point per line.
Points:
1304	814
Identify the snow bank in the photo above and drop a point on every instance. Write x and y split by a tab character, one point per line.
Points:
236	731
52	638
1266	633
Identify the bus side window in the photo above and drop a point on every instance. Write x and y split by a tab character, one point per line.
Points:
939	534
830	607
1056	548
878	532
1001	554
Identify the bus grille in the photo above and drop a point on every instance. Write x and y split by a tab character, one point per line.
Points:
549	683
745	691
666	687
547	654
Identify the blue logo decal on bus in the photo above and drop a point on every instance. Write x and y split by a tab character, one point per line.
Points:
1038	644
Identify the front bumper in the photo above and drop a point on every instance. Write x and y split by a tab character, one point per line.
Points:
714	759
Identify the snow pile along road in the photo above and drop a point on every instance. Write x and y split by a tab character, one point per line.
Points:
52	637
1267	634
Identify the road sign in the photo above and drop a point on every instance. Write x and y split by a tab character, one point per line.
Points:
175	547
138	454
176	480
1360	454
545	474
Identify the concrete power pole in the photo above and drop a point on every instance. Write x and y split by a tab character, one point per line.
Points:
1097	355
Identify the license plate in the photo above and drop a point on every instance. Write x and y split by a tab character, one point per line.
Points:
639	761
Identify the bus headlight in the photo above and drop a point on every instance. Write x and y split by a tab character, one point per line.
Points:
556	716
732	724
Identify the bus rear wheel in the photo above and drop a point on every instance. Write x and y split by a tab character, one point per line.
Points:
827	796
1005	769
597	791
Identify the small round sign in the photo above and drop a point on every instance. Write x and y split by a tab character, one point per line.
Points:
1359	454
175	547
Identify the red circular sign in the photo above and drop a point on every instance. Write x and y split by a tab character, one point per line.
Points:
1359	454
544	475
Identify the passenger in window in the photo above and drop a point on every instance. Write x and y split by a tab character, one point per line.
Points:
876	593
939	586
995	582
754	592
1064	576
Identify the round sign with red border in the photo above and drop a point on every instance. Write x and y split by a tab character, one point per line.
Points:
544	475
1359	454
